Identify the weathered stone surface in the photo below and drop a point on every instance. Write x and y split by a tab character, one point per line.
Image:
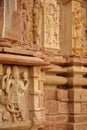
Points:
77	126
50	93
63	107
42	87
78	118
57	119
78	95
55	80
62	95
52	107
75	108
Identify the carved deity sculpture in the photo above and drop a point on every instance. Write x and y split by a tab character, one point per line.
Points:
84	39
51	16
13	87
36	11
77	26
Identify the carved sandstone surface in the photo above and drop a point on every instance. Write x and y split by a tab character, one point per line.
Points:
15	22
51	24
12	97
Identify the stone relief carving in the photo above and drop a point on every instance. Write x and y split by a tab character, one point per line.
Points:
36	12
51	16
16	20
79	25
13	87
37	24
84	39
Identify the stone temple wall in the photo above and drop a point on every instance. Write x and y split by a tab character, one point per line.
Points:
43	65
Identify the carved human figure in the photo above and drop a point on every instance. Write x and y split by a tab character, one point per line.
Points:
77	26
51	24
36	12
14	88
6	78
25	23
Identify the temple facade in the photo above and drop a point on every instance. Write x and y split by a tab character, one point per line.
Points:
43	64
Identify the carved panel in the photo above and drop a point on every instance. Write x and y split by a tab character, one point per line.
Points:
16	21
84	38
14	97
51	24
24	7
79	27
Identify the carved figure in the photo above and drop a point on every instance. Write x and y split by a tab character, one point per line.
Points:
51	16
14	87
25	23
51	24
36	21
6	78
77	26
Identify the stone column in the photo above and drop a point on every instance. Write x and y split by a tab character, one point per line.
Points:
74	27
77	95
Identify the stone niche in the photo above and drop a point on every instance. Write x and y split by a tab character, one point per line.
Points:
14	18
46	24
14	97
21	94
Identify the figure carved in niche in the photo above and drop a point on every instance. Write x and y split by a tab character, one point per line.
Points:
25	23
15	24
13	87
77	26
36	12
84	40
52	24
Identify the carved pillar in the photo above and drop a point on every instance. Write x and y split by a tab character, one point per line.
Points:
74	27
36	91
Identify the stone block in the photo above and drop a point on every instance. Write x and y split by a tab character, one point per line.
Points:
75	95
75	108
63	107
84	95
57	119
61	126
78	95
84	107
51	107
50	93
62	95
78	118
77	126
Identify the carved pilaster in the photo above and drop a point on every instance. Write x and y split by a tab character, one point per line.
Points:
36	92
74	32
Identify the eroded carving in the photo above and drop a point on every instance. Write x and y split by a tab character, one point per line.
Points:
13	87
51	16
79	25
